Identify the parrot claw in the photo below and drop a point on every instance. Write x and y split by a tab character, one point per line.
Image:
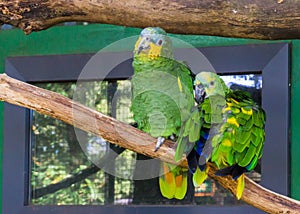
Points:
159	142
172	137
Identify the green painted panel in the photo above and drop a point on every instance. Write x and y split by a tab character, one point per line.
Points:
63	40
295	120
93	37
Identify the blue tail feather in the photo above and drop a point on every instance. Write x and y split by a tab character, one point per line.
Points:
192	159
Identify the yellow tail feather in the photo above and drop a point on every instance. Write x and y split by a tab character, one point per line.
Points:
199	177
240	186
168	191
181	190
179	180
173	181
167	174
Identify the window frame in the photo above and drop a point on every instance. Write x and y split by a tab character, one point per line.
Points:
273	60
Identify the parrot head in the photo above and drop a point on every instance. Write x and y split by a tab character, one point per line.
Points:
208	84
153	42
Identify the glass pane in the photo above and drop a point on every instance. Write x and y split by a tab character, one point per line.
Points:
65	171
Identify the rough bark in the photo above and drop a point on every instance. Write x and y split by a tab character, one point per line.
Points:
116	132
267	19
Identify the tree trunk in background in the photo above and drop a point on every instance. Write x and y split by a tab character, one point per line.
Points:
259	19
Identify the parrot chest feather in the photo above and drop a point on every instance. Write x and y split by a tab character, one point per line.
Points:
162	95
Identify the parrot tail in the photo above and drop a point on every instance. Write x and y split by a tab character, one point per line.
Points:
199	171
240	186
173	181
235	171
200	176
192	159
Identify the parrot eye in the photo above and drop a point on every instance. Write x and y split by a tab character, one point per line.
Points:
211	83
159	42
147	38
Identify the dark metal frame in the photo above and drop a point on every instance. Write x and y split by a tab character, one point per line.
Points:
272	60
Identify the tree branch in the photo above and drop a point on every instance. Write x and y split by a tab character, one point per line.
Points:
124	135
267	19
37	193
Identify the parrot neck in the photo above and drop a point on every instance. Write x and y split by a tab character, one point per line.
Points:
217	103
144	62
226	89
148	57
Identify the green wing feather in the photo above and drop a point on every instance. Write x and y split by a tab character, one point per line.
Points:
189	133
250	135
243	135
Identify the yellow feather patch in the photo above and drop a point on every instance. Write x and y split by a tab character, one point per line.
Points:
248	112
224	160
226	142
137	43
179	84
233	121
240	186
168	174
182	189
166	182
197	82
172	184
199	177
226	109
178	180
167	190
155	51
233	100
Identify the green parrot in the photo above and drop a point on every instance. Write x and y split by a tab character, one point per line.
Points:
226	128
162	97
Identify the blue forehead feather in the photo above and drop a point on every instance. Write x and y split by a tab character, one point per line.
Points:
155	33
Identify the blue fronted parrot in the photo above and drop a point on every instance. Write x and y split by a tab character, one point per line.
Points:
226	128
162	97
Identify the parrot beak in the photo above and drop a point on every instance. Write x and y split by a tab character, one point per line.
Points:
200	93
139	50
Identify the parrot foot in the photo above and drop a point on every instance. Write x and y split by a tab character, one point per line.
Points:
159	142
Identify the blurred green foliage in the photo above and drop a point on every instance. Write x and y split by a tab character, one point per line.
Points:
57	154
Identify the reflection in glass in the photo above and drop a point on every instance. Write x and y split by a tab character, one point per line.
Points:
61	173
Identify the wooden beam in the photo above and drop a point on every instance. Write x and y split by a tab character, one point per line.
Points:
259	19
76	114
